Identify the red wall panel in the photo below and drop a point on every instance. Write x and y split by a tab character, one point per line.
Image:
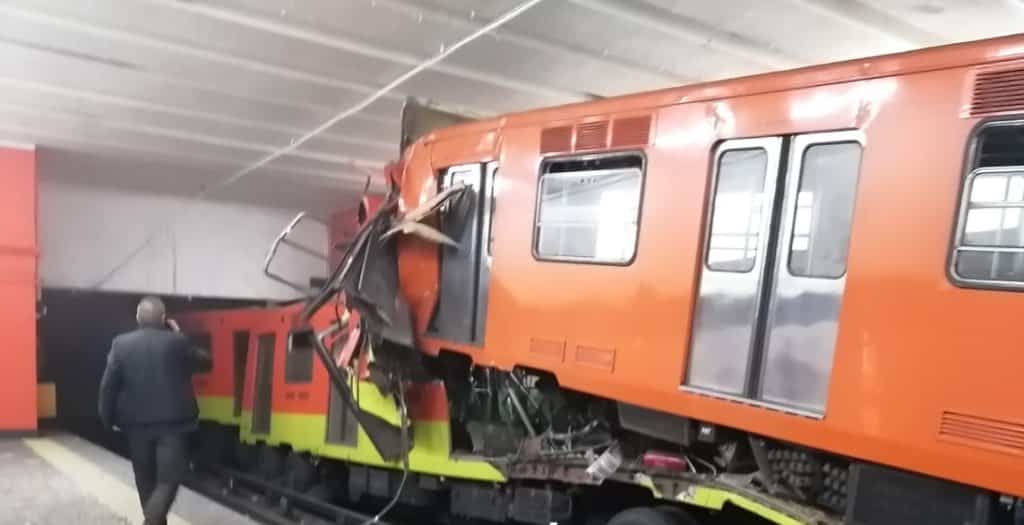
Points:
17	200
18	255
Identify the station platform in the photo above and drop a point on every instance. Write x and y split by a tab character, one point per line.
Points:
61	479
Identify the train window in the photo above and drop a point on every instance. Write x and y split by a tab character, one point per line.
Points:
736	210
991	244
824	210
589	210
203	340
298	365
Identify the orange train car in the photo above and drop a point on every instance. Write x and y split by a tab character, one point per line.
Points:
828	260
228	336
791	293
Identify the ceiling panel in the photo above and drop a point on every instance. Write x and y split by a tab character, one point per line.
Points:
63	141
131	172
380	130
317	197
408	33
214	86
44	68
488	9
94	130
269	78
354	23
603	25
371	33
812	35
957	20
268	137
168	177
562	70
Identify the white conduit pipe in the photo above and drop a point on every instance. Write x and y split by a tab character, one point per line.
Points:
494	24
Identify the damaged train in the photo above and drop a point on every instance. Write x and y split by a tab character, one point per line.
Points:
789	296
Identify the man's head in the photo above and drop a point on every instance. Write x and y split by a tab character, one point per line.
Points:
151	311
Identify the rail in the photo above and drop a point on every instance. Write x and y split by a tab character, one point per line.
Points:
267	502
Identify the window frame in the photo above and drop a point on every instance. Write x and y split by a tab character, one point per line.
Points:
828	139
542	171
238	373
721	149
970	171
306	377
959	246
194	337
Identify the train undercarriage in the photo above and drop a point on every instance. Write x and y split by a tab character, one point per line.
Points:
565	457
569	457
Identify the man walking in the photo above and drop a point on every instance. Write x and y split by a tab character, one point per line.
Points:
147	391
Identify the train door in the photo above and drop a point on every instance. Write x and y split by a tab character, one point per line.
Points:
240	354
774	269
342	426
262	400
461	311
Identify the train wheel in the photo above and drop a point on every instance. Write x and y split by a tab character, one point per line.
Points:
651	516
300	474
245	457
271	463
321	492
211	444
681	516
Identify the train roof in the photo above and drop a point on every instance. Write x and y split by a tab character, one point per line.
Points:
935	58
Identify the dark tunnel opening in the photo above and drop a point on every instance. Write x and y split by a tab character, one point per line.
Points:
75	330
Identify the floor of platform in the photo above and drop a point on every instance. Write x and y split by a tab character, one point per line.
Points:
62	479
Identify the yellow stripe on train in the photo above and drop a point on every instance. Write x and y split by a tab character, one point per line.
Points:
218	409
431	451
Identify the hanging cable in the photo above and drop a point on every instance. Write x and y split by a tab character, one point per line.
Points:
294	144
404	421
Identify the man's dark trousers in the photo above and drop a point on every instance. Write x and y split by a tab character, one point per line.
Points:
160	462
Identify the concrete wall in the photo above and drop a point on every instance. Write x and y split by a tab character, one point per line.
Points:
101	237
17	289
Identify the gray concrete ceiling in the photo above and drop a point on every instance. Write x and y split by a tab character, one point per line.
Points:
213	86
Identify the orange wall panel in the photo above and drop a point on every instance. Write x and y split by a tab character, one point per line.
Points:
18	290
17	200
17	346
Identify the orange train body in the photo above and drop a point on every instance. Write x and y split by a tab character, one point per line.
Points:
233	379
926	374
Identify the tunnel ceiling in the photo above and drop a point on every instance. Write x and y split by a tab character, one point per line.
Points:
213	86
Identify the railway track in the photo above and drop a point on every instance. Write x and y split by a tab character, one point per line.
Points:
269	503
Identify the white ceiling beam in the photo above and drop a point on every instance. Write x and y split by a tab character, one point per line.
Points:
13	144
321	38
103	98
16	134
192	137
693	31
48	139
438	13
65	22
181	81
876	20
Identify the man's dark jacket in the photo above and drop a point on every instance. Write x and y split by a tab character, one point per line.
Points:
148	380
